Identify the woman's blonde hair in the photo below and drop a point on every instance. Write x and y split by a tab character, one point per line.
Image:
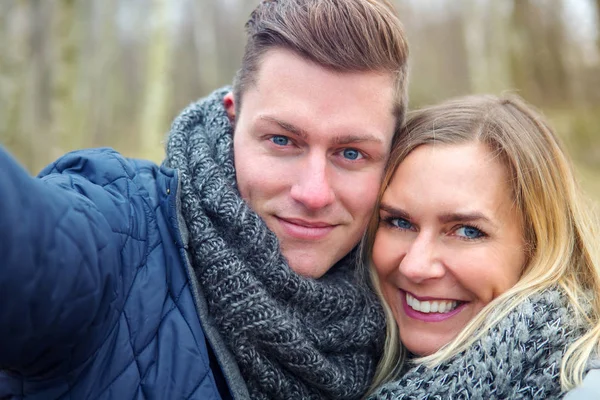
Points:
559	224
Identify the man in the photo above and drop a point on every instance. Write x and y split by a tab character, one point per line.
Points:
229	271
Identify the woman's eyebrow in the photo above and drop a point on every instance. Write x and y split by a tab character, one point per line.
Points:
465	217
397	212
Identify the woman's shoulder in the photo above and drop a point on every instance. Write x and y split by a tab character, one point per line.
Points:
589	388
518	358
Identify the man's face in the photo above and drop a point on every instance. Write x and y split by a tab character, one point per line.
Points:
310	147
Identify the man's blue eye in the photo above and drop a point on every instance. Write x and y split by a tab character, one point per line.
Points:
401	223
469	232
352	154
280	140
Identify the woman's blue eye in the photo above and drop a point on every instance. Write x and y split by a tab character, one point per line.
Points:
351	154
401	223
280	140
469	232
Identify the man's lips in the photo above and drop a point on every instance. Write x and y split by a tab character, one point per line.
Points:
305	230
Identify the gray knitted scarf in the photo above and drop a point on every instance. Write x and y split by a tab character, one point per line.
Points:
293	337
518	359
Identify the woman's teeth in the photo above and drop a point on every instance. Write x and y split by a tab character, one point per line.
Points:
430	306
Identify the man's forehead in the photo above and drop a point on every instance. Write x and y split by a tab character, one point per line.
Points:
303	97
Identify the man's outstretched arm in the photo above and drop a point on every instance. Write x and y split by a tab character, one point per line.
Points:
60	278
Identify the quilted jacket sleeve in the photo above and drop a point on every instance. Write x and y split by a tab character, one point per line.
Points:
61	277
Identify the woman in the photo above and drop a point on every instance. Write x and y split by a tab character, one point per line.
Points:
485	257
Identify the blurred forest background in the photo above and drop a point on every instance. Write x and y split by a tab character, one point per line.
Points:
84	73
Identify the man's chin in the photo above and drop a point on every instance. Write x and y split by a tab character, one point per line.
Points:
309	265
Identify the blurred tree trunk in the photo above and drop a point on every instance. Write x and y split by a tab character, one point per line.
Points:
474	32
155	122
186	78
484	28
497	48
12	76
220	39
230	25
35	109
104	95
538	51
205	40
68	115
555	74
598	23
523	53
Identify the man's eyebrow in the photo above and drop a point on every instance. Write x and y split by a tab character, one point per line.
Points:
339	140
349	139
286	126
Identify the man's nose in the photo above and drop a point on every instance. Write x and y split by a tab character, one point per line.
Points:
313	186
422	261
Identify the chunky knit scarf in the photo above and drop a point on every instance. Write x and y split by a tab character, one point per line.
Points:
293	337
518	359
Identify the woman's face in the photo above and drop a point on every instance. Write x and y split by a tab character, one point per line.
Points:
450	240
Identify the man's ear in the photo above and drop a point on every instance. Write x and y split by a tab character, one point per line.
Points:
229	104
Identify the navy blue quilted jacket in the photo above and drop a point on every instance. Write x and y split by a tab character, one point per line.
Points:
96	297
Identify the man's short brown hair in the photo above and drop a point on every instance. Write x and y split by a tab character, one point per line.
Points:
341	35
